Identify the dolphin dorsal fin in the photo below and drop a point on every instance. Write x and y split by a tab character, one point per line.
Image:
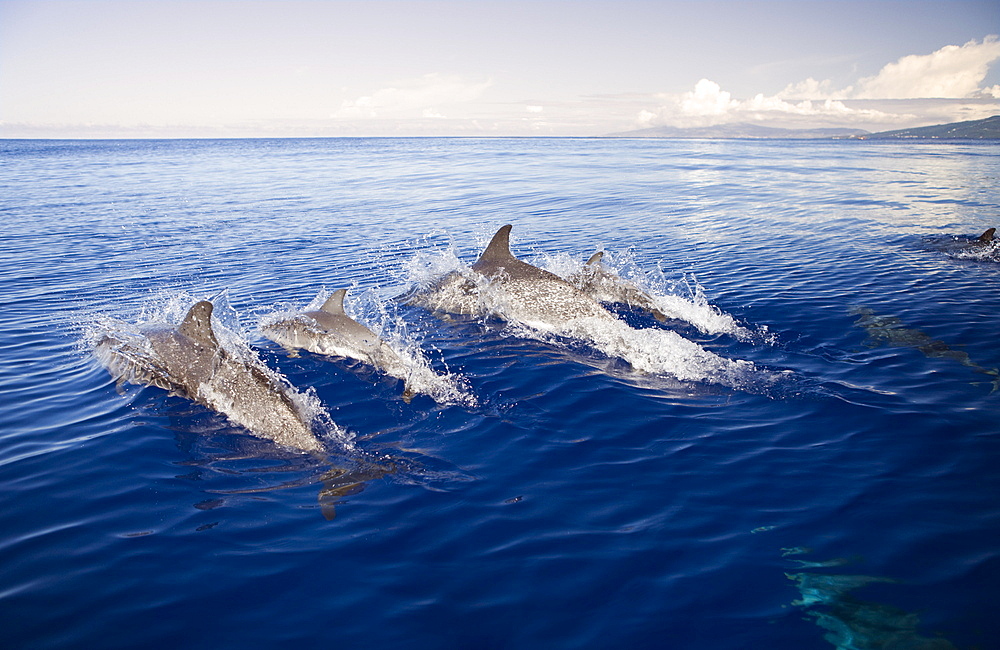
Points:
197	325
498	250
335	303
987	236
595	259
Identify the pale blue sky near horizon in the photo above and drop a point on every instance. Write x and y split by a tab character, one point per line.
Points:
488	67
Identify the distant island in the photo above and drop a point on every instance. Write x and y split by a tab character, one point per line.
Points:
987	129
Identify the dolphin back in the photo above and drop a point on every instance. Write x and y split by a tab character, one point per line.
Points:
595	258
987	236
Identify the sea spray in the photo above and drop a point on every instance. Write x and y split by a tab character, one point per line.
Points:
681	299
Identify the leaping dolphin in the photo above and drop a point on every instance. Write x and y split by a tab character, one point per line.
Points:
330	331
189	361
605	286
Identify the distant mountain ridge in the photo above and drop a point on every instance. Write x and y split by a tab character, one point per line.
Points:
740	130
985	129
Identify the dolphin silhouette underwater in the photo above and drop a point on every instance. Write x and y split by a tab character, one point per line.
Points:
606	286
190	362
329	331
889	331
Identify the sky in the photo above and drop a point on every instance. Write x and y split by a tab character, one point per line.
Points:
234	68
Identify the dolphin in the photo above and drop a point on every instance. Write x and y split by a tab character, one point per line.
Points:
331	332
850	622
455	293
513	290
986	237
530	294
889	331
605	286
189	361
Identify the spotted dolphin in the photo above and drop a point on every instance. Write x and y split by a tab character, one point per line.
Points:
189	361
500	285
331	332
530	294
606	286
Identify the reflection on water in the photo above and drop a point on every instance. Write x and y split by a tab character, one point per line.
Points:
345	478
850	622
232	466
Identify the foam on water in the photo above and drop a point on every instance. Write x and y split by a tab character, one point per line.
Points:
983	253
965	248
681	299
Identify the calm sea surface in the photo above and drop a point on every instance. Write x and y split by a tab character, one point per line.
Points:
844	493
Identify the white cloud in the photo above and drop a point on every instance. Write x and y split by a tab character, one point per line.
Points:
422	96
709	104
707	99
812	89
953	71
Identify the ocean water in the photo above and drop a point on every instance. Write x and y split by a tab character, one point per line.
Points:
829	479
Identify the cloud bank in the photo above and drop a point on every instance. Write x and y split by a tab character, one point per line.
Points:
954	72
424	97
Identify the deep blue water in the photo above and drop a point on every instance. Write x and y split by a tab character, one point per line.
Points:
846	494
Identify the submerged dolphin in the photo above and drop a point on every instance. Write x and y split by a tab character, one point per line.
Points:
889	331
330	331
851	622
608	287
189	361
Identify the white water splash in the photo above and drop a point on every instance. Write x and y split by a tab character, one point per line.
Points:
980	253
653	351
682	299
